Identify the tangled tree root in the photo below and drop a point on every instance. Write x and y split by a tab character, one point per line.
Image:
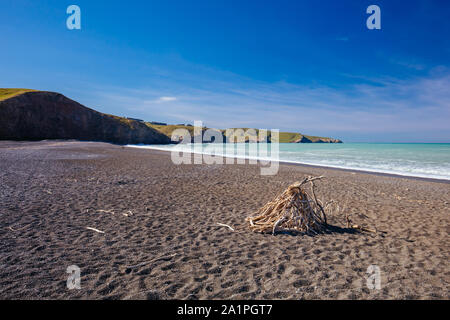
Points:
294	210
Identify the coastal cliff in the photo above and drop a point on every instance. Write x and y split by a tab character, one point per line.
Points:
39	115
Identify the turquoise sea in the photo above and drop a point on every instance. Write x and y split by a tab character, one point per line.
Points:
409	159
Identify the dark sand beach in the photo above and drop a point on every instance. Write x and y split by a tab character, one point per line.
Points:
161	239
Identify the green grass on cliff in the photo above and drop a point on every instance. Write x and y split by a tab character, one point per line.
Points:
9	93
289	137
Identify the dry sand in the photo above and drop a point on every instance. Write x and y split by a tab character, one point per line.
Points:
161	240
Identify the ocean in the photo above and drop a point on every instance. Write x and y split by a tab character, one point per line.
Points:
426	160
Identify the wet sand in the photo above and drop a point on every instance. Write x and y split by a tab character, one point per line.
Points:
161	239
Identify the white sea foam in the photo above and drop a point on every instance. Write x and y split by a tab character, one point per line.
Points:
416	160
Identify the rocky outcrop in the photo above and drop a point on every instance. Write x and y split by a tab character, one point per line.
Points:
47	115
305	139
328	140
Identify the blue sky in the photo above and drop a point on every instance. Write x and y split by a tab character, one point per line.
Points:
305	66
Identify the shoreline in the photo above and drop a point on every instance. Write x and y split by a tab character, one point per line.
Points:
292	163
4	143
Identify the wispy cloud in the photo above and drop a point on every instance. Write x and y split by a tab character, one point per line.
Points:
410	64
165	99
386	109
